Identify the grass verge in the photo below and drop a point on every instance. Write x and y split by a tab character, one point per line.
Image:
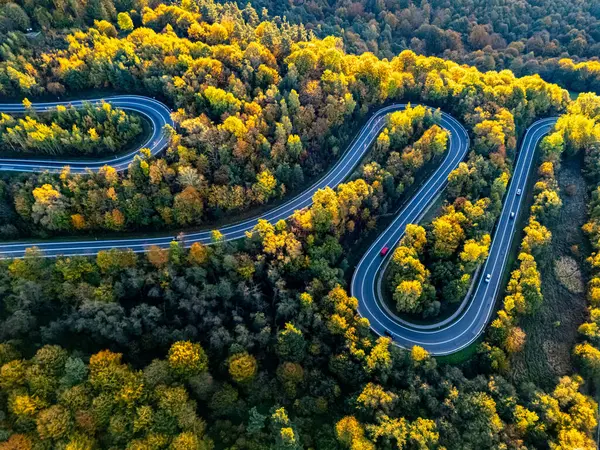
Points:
552	330
462	356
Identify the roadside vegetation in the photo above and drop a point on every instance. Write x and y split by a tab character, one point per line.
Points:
585	135
257	343
552	330
260	108
93	130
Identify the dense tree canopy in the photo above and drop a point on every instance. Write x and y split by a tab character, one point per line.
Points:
527	37
257	343
91	130
243	347
258	110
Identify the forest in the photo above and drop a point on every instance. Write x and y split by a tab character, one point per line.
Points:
255	119
556	39
93	130
257	343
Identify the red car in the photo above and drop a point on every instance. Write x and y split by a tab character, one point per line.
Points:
384	251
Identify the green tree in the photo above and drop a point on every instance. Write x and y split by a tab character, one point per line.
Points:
124	21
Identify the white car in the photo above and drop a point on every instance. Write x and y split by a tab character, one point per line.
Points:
488	277
518	191
512	215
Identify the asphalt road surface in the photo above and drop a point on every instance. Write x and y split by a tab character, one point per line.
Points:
467	325
157	113
336	175
443	338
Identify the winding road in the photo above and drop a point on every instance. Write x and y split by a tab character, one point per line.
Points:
467	324
157	113
445	337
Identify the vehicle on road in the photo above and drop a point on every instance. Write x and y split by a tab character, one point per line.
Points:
512	215
439	341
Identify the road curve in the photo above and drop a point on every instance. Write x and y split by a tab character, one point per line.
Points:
452	335
338	173
157	113
446	337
